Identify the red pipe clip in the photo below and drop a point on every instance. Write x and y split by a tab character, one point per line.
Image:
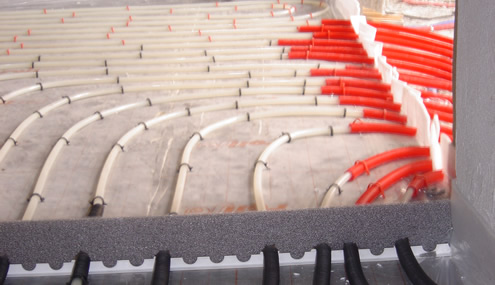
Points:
424	180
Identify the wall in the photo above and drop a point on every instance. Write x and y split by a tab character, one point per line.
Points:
473	198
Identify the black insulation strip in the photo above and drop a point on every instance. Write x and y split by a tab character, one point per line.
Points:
4	268
161	270
81	268
323	265
96	210
271	267
410	264
352	263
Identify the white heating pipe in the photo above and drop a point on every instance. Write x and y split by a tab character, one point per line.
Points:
197	136
288	138
241	89
215	72
334	189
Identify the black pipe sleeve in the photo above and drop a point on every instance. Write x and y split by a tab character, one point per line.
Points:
96	210
161	270
352	264
323	265
271	266
4	268
81	268
410	265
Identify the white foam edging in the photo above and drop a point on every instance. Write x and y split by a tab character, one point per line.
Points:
229	262
348	8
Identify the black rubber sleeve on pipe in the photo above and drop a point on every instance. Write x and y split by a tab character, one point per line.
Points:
161	270
323	265
81	268
96	210
410	265
352	264
4	268
271	266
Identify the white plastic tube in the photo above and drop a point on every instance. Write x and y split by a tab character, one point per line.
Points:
269	69
185	163
124	140
334	189
286	138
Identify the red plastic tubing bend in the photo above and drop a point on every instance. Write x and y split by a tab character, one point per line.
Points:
370	102
422	68
350	82
378	188
339	49
360	127
429	94
423	59
331	56
423	180
355	91
425	80
413	31
395	154
357	73
401	41
406	53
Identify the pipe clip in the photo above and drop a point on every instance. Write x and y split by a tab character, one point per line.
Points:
92	202
199	134
288	135
262	162
185	164
335	185
42	199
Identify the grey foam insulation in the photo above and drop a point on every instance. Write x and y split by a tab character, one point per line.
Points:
189	237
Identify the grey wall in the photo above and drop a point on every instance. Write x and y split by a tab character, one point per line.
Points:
473	203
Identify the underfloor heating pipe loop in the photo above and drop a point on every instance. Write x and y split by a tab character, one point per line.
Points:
4	268
378	188
161	269
399	52
80	270
443	64
421	68
410	265
323	265
415	38
271	266
432	95
352	264
415	45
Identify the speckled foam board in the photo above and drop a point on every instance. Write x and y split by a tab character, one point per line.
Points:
296	232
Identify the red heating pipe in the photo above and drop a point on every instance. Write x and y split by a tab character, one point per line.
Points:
361	83
346	50
415	38
395	154
375	189
448	131
331	57
405	52
410	30
425	69
413	44
423	180
419	59
429	94
355	91
335	35
384	115
312	29
426	81
370	102
434	106
442	116
319	42
361	67
358	73
360	127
